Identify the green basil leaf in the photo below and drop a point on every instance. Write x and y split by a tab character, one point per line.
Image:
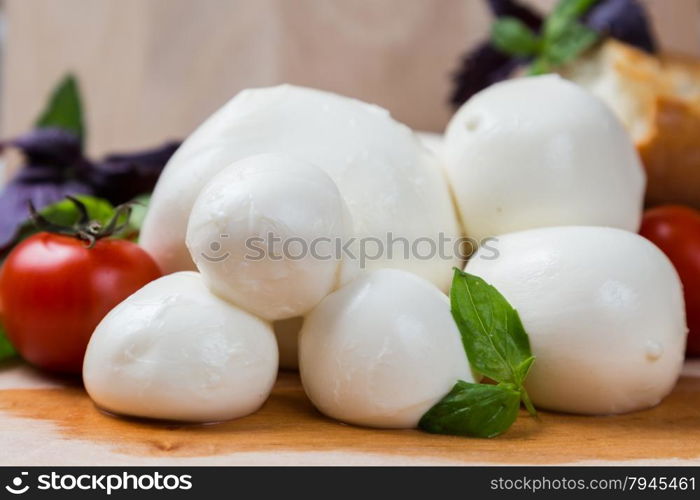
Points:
477	410
565	13
6	349
64	109
65	212
512	36
577	39
493	335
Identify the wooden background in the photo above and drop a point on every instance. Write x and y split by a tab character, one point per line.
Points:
153	69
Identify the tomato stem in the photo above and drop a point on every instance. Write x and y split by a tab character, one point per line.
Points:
85	229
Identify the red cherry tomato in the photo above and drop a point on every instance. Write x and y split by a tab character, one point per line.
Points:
676	231
55	290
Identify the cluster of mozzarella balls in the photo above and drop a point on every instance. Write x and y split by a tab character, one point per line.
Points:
537	163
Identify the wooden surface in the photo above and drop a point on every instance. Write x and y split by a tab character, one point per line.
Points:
44	421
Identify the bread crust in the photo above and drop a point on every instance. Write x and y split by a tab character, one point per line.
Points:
671	153
658	100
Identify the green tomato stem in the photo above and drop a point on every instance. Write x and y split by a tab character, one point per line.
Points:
84	229
525	397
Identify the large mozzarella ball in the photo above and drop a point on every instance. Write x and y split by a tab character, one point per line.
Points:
392	185
381	351
263	233
175	351
604	311
541	151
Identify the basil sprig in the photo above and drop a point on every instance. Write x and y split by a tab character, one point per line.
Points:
498	347
562	38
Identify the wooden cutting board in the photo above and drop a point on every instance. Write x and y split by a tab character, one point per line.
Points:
49	421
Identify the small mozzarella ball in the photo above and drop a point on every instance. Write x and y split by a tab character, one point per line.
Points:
604	311
175	351
263	234
381	351
287	333
394	188
541	151
263	231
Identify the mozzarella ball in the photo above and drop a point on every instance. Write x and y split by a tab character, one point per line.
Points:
541	151
262	232
174	351
604	311
287	333
392	185
381	351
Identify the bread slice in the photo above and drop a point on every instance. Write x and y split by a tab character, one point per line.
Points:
658	100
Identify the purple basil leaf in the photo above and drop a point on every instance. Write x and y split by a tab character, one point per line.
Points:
49	146
53	157
512	8
624	20
121	177
480	68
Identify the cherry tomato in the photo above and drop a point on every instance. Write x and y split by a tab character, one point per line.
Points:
55	290
676	231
